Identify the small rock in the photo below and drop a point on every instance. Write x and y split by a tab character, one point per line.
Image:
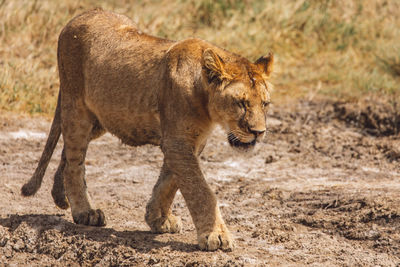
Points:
269	159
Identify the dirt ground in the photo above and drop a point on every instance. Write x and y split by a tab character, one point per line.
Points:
322	189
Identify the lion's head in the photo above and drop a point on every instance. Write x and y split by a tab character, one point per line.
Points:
239	95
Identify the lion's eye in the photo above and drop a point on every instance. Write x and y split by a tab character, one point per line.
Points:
265	104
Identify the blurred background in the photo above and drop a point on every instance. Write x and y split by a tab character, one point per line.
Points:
344	50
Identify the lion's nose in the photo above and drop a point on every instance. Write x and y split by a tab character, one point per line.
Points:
257	132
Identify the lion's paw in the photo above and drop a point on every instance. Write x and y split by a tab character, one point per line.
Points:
169	224
60	200
90	217
218	239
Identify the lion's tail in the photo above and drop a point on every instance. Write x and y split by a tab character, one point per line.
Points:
33	185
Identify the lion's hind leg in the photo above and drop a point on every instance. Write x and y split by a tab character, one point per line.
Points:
77	127
158	210
58	191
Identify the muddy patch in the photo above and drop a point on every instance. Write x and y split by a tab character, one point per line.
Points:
319	190
374	117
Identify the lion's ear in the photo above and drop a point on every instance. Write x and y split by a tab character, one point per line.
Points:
266	64
214	65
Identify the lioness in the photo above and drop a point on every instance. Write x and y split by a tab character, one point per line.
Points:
148	90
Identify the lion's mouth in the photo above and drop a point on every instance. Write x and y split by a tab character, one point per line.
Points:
235	142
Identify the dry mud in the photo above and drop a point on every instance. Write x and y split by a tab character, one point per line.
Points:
322	189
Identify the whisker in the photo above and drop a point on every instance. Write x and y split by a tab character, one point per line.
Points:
238	139
238	134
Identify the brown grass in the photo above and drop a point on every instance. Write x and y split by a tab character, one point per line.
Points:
344	48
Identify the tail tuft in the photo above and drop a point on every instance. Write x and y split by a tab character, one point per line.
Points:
30	188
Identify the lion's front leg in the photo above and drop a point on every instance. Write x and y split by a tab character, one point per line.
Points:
212	232
158	210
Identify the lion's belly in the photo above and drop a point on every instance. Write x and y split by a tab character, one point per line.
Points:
134	130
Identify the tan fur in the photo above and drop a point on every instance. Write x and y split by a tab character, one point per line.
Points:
147	90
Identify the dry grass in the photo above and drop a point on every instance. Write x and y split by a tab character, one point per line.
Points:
343	48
